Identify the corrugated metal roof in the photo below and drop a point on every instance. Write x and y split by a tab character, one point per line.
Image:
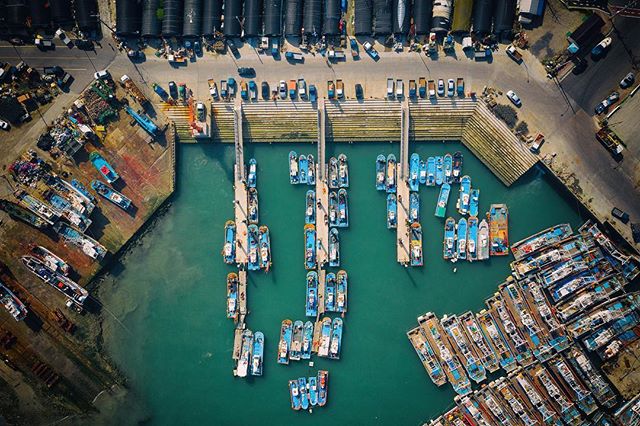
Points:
532	7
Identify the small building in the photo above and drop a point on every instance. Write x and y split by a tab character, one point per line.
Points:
585	33
529	10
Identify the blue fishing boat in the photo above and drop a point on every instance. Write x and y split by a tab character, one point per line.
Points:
73	213
313	391
443	200
483	240
449	244
323	382
75	294
265	247
473	203
391	182
336	338
229	249
381	166
297	334
462	347
78	186
333	173
103	167
285	342
303	165
334	248
309	247
88	245
431	171
457	167
439	170
295	394
414	172
310	209
242	369
311	305
311	173
448	169
51	260
461	252
253	245
343	171
333	208
422	176
307	340
416	245
258	354
253	206
341	292
294	172
392	211
330	292
343	209
304	397
414	207
472	239
325	337
232	295
111	194
465	195
252	177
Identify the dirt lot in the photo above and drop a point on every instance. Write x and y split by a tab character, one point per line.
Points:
550	38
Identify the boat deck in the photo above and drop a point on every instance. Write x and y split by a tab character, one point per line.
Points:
404	242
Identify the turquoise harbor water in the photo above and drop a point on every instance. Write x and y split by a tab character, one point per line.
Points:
172	338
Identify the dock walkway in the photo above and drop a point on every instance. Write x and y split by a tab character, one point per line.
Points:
403	244
322	193
241	201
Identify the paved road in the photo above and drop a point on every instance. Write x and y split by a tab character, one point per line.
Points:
80	64
602	77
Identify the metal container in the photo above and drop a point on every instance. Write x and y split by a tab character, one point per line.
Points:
482	14
16	12
504	15
462	11
40	13
61	12
401	16
441	19
293	21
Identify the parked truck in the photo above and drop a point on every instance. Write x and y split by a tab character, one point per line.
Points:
610	140
160	91
213	88
460	86
294	56
133	90
432	89
433	44
422	87
337	55
514	53
390	88
339	89
412	89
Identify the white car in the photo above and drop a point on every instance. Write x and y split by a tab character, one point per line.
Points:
4	125
200	111
101	75
283	89
440	87
66	40
399	89
514	98
627	81
451	87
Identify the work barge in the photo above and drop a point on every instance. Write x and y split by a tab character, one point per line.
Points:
550	326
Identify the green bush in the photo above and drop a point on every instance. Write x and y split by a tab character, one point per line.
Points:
507	114
522	128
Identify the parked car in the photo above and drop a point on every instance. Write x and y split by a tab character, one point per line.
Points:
65	39
283	89
101	75
253	90
173	89
628	80
606	103
4	125
514	98
390	88
294	56
620	215
302	88
451	87
44	44
368	47
85	44
266	93
359	91
337	55
246	72
399	89
200	111
601	47
440	87
313	93
55	71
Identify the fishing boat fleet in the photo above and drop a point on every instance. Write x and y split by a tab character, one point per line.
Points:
251	354
300	340
563	305
302	169
309	392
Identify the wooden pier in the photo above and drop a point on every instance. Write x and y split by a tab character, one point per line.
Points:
322	195
237	342
403	243
242	294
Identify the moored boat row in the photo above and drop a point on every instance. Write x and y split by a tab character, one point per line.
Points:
251	354
309	392
300	340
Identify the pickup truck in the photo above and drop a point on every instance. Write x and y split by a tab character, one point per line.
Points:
43	44
460	86
160	91
399	89
390	88
422	87
231	84
313	93
482	54
244	92
294	56
412	89
368	47
302	88
339	89
133	89
213	88
537	143
337	55
355	52
514	54
331	93
611	141
275	47
224	91
65	39
432	89
253	90
293	90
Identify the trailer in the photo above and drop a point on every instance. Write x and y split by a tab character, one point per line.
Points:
133	90
514	53
432	89
337	55
433	44
339	89
294	56
537	143
213	88
460	86
160	91
390	88
422	87
412	89
610	140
